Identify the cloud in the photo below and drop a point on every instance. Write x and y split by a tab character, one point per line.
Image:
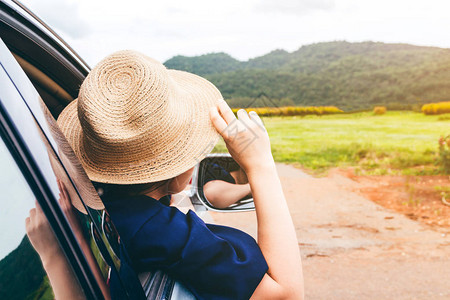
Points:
296	7
63	15
244	29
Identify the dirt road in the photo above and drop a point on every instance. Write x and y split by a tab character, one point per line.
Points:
353	248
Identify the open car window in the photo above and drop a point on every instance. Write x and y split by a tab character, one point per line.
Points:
61	173
48	78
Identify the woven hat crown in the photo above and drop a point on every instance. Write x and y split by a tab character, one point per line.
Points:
139	122
119	102
116	96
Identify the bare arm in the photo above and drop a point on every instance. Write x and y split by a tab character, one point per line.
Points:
63	282
68	209
276	238
222	194
276	232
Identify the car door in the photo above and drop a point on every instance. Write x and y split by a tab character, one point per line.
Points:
56	73
42	156
26	175
96	253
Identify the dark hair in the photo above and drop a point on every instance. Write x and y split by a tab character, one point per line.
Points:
106	190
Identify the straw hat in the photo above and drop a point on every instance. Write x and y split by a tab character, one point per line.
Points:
66	162
137	122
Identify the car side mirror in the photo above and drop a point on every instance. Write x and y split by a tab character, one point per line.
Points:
219	183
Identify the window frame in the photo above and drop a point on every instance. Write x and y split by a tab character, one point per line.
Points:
19	144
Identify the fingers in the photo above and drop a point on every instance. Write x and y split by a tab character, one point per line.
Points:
60	187
243	116
61	201
64	198
226	112
218	122
61	196
255	118
30	220
38	209
64	192
28	226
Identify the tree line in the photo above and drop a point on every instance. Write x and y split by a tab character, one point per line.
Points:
351	76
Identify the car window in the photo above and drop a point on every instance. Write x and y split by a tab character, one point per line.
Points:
85	212
22	275
33	133
90	222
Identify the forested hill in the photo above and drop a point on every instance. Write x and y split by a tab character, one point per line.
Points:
349	75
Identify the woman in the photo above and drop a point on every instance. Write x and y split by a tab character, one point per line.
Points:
138	130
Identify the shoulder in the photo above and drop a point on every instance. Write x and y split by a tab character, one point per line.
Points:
129	214
211	260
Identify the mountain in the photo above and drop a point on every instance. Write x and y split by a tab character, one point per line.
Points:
351	76
205	64
22	275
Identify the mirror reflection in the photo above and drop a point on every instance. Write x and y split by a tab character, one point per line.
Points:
22	275
224	184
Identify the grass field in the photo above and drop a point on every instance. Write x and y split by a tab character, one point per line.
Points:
398	142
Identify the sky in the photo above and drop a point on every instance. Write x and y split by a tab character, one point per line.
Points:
15	209
242	28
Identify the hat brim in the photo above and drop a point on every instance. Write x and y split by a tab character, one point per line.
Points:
191	134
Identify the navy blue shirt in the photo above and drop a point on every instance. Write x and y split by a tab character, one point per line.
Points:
214	262
217	172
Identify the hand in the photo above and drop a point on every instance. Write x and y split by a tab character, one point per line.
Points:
70	213
67	208
246	137
41	235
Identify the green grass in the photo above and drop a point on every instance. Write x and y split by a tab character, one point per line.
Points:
398	142
44	292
